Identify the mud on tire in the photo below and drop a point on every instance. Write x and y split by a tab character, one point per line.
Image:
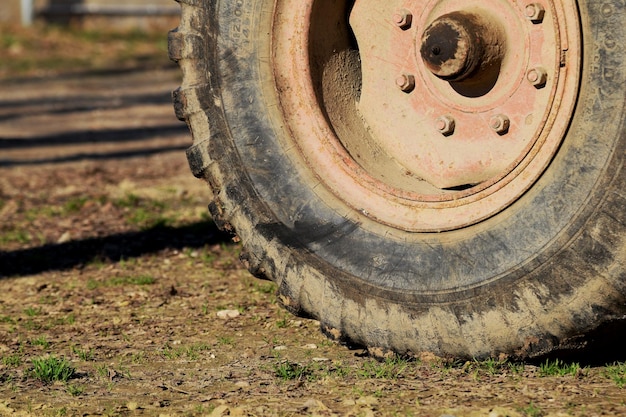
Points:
523	278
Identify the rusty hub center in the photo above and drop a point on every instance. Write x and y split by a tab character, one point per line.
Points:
427	115
455	46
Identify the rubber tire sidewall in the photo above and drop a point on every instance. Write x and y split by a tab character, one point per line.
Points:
547	268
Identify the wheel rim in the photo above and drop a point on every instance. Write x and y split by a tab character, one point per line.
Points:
418	131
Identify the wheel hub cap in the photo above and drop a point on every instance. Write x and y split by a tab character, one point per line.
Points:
462	105
456	45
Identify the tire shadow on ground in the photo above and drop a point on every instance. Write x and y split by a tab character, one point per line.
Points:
63	256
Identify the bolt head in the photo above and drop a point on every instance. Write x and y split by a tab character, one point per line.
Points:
406	82
537	77
535	12
403	19
445	125
500	124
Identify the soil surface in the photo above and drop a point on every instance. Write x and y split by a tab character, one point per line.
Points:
111	269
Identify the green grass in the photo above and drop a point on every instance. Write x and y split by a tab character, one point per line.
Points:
61	321
205	309
48	300
15	236
41	341
30	324
74	205
84	355
47	211
559	368
128	201
121	281
49	369
516	368
147	219
324	370
7	319
207	256
32	311
132	280
12	360
282	323
138	357
102	371
489	366
28	64
289	370
60	412
127	263
75	390
390	368
264	287
143	213
44	48
122	371
191	352
617	373
225	340
338	369
531	410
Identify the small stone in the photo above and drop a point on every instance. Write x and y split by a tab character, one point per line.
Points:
242	384
132	406
228	314
222	410
429	357
313	405
503	412
65	237
281	347
11	207
157	404
321	360
311	346
368	400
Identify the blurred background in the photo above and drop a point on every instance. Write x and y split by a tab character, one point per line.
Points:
129	14
92	157
40	36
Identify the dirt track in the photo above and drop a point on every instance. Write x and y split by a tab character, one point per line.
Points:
108	259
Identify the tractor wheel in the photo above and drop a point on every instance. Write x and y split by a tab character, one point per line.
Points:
425	175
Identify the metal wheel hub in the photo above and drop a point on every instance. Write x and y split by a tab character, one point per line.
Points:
461	98
461	45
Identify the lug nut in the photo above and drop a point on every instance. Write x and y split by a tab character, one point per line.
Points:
535	12
406	82
403	19
500	124
445	125
537	77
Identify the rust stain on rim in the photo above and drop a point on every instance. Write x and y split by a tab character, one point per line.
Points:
438	210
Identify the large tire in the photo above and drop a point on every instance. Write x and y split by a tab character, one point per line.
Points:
523	278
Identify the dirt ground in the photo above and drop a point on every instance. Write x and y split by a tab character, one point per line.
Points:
110	264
